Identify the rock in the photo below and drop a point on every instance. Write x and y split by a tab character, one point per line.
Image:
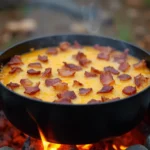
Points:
28	25
27	144
147	144
137	147
23	26
6	148
12	26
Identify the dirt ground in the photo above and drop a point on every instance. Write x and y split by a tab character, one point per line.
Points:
122	19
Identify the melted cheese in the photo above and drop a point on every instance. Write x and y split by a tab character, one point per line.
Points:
56	61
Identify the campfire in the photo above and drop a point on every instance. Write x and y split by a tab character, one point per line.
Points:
12	137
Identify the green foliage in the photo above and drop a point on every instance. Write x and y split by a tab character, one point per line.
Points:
124	32
147	3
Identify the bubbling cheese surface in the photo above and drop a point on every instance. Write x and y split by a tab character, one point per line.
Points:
49	94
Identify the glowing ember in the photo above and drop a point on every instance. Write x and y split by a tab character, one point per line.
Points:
115	147
123	147
84	147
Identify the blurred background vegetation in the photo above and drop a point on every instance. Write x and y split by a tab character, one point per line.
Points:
127	20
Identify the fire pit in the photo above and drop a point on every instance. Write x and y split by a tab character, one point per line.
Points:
13	139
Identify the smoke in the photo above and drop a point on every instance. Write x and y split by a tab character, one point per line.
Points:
93	18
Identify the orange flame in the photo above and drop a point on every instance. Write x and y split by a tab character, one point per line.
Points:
52	146
48	145
121	147
114	147
84	147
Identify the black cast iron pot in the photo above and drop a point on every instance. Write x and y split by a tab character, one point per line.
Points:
74	124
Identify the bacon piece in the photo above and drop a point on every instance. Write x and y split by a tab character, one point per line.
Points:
26	82
63	101
85	91
60	86
47	73
33	72
35	65
64	46
141	64
106	89
121	57
104	99
16	60
84	62
93	101
111	70
51	82
12	85
105	53
139	80
43	58
77	45
106	78
103	48
66	72
77	83
124	77
15	70
32	89
52	51
89	74
72	67
93	70
97	47
116	98
124	66
81	57
67	94
129	90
